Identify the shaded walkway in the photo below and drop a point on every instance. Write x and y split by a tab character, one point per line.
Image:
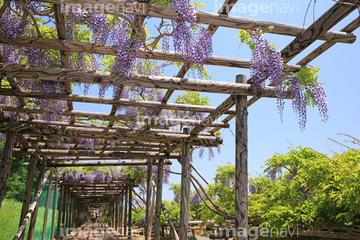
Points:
97	231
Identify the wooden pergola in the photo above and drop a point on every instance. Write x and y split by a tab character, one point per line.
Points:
148	145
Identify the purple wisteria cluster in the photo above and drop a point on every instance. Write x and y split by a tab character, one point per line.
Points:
267	63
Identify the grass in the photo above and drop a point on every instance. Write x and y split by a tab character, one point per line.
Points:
10	216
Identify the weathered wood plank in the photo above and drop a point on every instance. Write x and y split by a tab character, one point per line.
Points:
319	28
39	129
5	163
112	101
108	163
327	45
241	171
214	19
98	77
114	117
73	46
185	192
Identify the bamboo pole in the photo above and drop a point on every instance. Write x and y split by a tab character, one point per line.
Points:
31	210
34	214
47	206
28	189
159	184
241	176
185	191
5	163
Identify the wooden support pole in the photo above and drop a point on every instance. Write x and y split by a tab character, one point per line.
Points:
28	189
130	210
125	211
185	191
5	163
54	204
121	211
159	185
116	212
63	215
241	177
60	212
148	201
34	214
47	206
31	210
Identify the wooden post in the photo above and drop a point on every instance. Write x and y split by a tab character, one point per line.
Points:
241	177
121	211
130	210
28	188
47	206
60	212
116	212
125	212
185	190
67	204
148	201
64	209
160	177
34	214
5	163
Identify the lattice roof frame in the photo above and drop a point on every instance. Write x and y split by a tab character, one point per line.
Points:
167	140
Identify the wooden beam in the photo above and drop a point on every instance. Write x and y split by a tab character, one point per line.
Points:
73	46
115	155
159	187
224	10
91	164
98	77
241	171
113	117
327	45
319	28
39	129
112	101
221	20
5	164
185	191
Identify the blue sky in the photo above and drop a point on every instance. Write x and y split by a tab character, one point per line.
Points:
266	133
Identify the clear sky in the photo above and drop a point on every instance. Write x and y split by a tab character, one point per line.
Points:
266	134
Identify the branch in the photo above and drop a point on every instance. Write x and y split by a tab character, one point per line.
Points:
213	210
26	9
4	7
